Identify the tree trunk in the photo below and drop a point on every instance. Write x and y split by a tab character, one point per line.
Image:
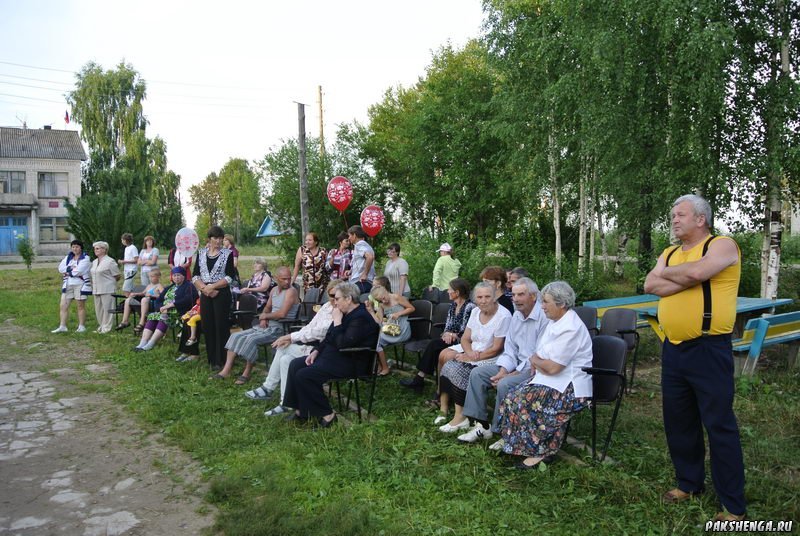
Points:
592	211
773	226
772	242
602	235
551	157
582	218
619	267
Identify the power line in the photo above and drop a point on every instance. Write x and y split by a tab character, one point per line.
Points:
34	67
30	98
191	84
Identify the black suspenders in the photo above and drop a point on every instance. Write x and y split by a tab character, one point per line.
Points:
706	286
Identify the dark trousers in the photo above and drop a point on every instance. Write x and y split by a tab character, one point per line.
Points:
215	317
430	357
304	391
186	332
364	286
697	384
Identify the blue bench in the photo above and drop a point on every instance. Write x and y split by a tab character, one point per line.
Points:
768	331
643	301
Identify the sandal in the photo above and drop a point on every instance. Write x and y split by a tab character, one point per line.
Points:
191	342
217	377
384	374
138	329
122	325
677	495
241	380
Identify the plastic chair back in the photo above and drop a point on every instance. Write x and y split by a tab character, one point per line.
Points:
616	320
589	317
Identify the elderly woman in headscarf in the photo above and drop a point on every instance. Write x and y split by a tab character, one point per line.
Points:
170	305
105	274
534	416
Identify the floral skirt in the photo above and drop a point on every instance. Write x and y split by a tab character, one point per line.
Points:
534	418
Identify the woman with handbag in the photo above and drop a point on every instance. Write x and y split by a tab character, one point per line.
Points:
392	314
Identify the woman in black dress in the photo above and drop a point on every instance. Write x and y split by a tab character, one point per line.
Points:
212	276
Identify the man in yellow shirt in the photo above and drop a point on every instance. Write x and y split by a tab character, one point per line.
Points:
698	282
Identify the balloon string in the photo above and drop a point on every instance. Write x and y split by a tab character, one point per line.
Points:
346	227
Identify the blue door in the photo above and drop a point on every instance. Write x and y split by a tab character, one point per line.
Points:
11	229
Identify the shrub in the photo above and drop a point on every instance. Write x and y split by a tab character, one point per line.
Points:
25	249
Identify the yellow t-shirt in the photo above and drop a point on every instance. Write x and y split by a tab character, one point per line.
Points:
681	315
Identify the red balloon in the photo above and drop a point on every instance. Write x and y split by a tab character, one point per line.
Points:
372	220
340	193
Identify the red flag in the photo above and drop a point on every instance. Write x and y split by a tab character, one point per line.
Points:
66	117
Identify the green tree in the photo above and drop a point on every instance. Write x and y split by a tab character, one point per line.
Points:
125	166
108	105
240	199
279	180
204	197
433	148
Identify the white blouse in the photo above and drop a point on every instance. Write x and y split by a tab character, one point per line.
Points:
483	335
566	342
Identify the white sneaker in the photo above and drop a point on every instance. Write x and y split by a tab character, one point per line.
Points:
477	432
81	329
497	445
449	428
60	329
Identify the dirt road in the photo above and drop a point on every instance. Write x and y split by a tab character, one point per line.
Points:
73	462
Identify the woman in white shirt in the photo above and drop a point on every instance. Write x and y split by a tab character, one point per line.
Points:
535	415
148	258
481	344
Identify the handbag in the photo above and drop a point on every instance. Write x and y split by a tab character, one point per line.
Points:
391	327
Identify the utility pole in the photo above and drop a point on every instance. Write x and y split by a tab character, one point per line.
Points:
302	168
321	132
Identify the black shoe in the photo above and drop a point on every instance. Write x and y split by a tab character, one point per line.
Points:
327	424
417	383
294	418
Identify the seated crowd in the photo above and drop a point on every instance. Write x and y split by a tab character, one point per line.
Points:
529	345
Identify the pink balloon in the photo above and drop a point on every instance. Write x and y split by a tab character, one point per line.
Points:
372	220
340	193
187	242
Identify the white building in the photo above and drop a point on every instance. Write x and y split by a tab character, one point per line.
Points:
39	169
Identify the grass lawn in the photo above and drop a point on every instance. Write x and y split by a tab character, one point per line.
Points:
399	475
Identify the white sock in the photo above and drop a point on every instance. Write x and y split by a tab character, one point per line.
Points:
148	346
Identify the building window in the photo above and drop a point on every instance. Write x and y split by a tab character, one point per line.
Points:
13	182
53	185
53	230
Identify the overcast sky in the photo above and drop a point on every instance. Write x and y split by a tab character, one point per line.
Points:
222	77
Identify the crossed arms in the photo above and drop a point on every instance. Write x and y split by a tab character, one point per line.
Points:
666	280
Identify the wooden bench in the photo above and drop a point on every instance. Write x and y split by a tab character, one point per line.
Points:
642	301
767	331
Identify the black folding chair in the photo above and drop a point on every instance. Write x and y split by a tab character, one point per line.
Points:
420	322
119	304
589	317
417	345
608	382
370	377
431	295
444	297
622	323
246	312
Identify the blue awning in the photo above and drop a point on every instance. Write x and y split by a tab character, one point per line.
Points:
268	229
